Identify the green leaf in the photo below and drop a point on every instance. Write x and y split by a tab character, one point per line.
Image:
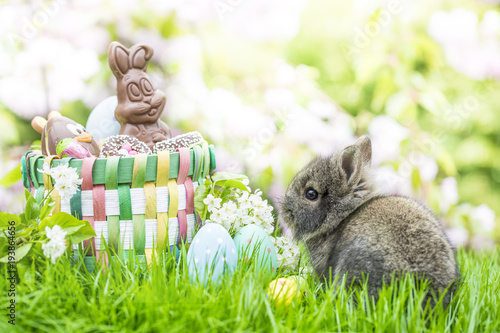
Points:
26	233
12	177
232	183
85	232
226	193
25	221
71	230
25	270
27	194
64	220
6	219
77	230
32	209
4	245
224	175
200	194
47	208
20	253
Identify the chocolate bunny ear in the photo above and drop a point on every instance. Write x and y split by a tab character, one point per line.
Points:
121	59
140	55
118	59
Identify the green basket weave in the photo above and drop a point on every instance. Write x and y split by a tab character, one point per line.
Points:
133	203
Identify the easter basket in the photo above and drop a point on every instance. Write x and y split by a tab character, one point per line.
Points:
133	203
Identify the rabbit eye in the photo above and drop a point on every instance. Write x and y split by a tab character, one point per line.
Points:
134	93
147	87
311	194
72	129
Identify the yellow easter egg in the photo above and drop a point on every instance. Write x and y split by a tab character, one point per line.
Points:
283	291
301	283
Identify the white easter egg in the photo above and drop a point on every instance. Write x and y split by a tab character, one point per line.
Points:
102	122
211	254
254	244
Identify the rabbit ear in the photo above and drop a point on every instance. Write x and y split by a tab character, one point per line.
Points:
351	163
365	145
118	59
140	55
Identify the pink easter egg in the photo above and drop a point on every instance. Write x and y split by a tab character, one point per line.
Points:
127	147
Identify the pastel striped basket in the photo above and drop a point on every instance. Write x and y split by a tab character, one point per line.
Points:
131	202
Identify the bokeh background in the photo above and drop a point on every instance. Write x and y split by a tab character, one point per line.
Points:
272	83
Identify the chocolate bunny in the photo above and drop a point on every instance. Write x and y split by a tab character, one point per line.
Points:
140	104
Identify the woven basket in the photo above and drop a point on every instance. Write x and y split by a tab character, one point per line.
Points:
131	202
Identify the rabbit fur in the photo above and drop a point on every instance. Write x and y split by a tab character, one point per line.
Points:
332	205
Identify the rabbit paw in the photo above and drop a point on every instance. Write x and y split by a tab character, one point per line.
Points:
158	136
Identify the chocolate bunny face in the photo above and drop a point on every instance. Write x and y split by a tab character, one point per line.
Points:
140	104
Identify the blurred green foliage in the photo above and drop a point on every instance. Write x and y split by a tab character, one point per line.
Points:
375	61
403	72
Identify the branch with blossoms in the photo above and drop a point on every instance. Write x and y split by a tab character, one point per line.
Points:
37	235
226	199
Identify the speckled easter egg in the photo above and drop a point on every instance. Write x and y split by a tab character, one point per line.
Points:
285	290
211	253
253	243
102	122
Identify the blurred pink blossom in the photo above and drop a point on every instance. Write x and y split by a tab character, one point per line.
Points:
47	73
458	236
481	242
449	191
390	182
386	135
427	167
278	98
484	218
285	73
305	128
471	47
278	20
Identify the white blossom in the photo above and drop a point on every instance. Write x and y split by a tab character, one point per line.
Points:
212	202
56	245
218	215
244	201
288	253
249	208
66	178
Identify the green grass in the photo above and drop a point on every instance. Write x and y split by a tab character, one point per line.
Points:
160	298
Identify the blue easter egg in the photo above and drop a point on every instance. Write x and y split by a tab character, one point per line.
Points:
253	244
175	252
211	254
102	122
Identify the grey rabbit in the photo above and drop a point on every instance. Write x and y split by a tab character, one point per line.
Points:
332	206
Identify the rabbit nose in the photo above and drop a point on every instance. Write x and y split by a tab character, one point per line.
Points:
147	99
